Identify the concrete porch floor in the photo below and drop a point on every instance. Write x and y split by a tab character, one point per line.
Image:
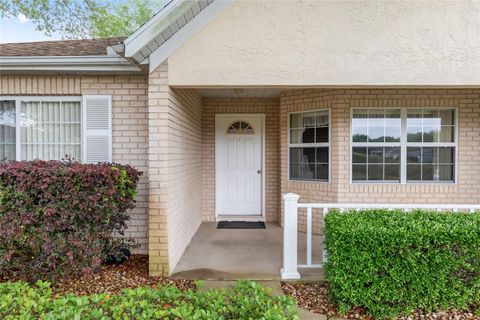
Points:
254	254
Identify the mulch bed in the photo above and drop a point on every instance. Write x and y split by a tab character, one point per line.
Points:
315	298
113	279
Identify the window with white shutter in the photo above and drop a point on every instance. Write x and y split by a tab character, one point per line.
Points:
97	128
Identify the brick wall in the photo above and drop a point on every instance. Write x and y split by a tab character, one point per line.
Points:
175	170
340	102
269	107
129	125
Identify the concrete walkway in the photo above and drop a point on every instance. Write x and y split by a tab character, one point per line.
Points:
276	290
255	254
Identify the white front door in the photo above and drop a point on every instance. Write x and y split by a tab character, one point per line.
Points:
239	165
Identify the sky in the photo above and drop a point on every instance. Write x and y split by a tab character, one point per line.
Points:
20	29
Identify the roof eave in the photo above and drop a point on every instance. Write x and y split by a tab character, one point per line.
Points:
67	63
170	28
147	33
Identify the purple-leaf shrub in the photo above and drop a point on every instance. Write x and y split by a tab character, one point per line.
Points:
56	217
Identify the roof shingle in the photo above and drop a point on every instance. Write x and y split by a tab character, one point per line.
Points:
86	47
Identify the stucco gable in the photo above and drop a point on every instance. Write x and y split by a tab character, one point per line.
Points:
330	43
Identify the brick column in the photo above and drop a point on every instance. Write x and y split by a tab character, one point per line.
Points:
158	95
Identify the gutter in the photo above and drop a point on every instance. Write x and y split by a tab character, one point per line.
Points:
112	63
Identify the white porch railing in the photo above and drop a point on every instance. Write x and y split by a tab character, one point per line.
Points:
290	226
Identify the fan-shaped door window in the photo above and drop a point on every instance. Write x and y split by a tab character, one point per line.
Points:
240	127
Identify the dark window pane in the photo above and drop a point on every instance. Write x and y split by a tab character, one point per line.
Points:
392	155
392	134
414	155
427	172
359	134
375	172
375	155
447	117
322	155
359	172
321	172
295	172
446	172
392	172
308	155
414	134
429	133
322	134
429	155
308	171
446	155
414	172
376	134
359	155
296	155
308	135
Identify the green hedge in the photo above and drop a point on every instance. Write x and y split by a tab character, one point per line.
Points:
392	262
247	300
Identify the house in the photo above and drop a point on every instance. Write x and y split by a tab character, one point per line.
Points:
226	105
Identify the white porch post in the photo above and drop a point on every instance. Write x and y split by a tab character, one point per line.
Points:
290	269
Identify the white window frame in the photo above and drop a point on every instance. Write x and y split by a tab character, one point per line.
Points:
310	145
18	101
403	144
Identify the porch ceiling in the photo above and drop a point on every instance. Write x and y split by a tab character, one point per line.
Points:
239	92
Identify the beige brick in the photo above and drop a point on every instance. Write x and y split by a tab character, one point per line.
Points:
340	102
124	151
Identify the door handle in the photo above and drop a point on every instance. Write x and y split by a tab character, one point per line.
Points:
259	171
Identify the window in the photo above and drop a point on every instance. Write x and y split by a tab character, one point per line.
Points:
430	145
403	145
309	145
240	127
7	130
40	128
376	145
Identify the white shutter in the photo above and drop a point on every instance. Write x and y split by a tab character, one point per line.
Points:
97	128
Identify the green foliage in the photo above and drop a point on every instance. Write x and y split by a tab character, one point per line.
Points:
58	218
84	18
123	18
392	262
247	300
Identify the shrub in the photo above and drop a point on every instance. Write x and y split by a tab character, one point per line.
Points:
247	300
55	217
392	262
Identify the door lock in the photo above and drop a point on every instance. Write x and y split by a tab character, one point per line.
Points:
259	171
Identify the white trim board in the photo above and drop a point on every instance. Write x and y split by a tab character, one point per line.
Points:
148	31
